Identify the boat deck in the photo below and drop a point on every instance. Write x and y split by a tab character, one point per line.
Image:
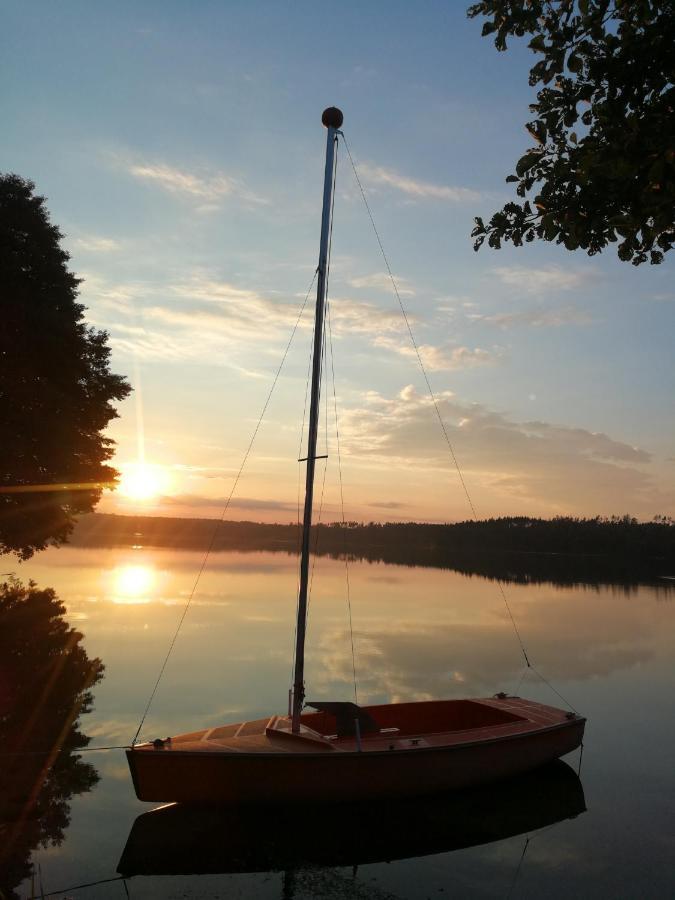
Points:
441	724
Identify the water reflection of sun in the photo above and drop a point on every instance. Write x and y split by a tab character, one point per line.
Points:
133	584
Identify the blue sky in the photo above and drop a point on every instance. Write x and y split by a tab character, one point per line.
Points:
181	151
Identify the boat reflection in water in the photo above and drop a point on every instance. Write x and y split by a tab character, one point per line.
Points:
190	840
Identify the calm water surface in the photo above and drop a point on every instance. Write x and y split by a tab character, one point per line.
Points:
419	633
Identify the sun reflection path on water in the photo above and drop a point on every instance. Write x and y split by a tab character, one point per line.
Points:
135	583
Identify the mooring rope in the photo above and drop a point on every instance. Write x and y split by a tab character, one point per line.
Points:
87	884
518	868
55	751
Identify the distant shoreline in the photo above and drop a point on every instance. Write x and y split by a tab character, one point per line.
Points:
560	535
561	550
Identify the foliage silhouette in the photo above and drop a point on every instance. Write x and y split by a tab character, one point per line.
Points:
45	686
56	387
606	172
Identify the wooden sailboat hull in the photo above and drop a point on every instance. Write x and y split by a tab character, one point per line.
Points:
510	736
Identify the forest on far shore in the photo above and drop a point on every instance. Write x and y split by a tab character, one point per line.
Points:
623	537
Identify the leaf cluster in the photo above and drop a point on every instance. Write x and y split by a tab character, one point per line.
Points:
56	387
602	168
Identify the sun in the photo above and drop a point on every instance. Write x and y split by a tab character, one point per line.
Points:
142	481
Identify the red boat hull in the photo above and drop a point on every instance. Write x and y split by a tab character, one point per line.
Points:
519	735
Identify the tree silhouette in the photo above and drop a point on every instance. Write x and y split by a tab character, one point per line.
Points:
56	387
603	164
45	685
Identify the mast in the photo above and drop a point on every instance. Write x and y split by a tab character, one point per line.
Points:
332	119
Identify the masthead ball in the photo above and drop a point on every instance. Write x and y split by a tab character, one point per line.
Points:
332	117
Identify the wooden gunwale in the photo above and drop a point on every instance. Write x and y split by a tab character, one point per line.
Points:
340	754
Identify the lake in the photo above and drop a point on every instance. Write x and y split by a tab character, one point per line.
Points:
419	633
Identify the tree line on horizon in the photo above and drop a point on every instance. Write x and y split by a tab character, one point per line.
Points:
613	536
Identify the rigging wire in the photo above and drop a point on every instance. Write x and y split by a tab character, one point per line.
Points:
222	515
410	333
432	395
342	503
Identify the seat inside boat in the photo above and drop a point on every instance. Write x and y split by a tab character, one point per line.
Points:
429	717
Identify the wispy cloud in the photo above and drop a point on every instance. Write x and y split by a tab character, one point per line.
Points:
353	317
207	187
415	188
109	303
249	503
536	318
537	281
95	244
201	317
441	358
175	180
381	281
196	320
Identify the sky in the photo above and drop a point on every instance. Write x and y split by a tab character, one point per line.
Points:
181	152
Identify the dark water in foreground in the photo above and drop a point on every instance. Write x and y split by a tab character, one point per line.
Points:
419	633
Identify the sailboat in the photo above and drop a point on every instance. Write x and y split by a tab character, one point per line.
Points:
338	750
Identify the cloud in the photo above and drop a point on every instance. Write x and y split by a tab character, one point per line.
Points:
201	317
536	318
96	244
537	281
118	298
535	464
419	190
174	180
440	358
353	317
210	188
197	318
382	281
207	471
251	503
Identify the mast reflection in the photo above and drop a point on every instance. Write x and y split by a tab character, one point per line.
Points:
45	686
